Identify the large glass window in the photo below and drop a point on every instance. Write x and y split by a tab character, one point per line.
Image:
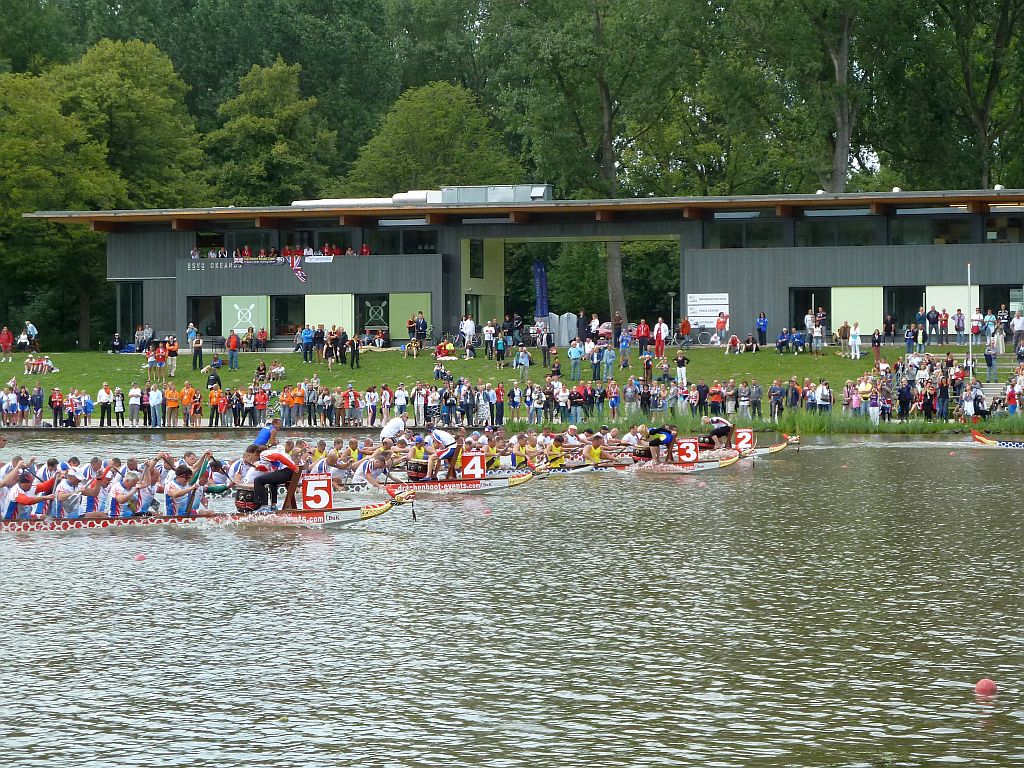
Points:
745	230
343	238
419	241
922	230
384	241
287	314
824	232
1003	229
254	238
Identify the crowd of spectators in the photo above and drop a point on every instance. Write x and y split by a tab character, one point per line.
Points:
246	253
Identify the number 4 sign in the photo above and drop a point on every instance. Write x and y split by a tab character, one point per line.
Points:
316	491
744	440
473	466
686	450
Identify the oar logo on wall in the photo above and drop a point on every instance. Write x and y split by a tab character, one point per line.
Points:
244	315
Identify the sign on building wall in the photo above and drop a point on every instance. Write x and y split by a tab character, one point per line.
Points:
239	313
703	308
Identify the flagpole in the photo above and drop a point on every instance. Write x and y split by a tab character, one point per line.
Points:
970	336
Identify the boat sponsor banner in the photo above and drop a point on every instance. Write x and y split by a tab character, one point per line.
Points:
319	258
703	309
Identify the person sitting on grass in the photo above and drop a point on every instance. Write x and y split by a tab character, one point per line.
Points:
782	343
797	341
733	345
750	345
412	347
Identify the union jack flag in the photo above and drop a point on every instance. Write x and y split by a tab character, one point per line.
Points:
295	260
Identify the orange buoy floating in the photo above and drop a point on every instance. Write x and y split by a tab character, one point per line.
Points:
952	453
702	484
986	687
139	557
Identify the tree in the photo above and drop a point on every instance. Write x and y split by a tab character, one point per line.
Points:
33	34
582	79
49	161
273	147
434	136
131	101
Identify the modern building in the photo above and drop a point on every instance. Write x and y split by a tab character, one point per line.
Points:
859	256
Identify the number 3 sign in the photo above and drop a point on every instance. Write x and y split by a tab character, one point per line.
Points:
473	466
744	439
316	491
686	450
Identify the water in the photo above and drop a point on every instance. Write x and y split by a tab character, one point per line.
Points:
829	607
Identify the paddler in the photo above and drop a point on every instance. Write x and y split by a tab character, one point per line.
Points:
22	499
177	491
443	448
371	471
662	436
595	454
268	435
721	431
555	453
394	427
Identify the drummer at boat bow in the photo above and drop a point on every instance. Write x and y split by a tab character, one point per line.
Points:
276	469
663	436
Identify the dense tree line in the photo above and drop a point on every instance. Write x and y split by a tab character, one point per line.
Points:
165	103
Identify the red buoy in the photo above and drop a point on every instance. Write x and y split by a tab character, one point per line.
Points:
139	557
952	453
986	687
702	484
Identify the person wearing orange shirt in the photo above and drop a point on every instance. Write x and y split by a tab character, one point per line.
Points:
215	397
188	394
173	399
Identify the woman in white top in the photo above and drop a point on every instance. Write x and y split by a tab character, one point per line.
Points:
855	341
134	401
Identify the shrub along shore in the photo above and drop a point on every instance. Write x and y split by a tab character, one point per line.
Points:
89	370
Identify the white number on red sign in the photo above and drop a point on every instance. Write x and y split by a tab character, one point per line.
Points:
687	450
473	466
744	439
316	491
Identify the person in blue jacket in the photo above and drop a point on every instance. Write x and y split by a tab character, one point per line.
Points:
307	344
796	340
762	329
782	342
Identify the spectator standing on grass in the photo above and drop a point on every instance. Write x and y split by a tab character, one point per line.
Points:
233	343
105	399
197	352
761	325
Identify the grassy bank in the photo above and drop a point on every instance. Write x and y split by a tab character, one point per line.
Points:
88	370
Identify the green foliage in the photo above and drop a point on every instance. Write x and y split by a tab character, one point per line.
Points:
272	147
576	279
48	160
131	101
434	136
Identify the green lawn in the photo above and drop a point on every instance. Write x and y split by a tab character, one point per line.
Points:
89	370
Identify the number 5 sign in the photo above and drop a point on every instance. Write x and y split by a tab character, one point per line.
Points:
744	440
686	450
316	491
473	466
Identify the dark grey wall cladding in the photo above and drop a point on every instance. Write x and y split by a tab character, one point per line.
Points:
160	306
759	279
138	255
345	274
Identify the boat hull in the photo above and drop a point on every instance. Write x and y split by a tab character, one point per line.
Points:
983	440
319	518
464	485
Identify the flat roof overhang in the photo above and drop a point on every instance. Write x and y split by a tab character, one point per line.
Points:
607	211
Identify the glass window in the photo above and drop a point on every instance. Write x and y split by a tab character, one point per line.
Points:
342	238
419	241
922	230
1003	229
723	234
476	259
912	230
861	231
255	239
815	233
764	234
953	231
382	241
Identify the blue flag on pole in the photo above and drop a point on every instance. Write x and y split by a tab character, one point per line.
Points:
540	288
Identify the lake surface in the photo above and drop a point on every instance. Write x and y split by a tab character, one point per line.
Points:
829	607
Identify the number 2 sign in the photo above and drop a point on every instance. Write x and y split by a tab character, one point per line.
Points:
744	440
316	491
686	450
473	466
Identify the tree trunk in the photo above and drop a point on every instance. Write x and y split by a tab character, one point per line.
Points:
84	319
609	175
844	108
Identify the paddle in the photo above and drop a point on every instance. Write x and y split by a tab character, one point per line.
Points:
192	481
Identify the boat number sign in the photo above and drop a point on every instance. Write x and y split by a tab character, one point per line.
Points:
316	491
473	466
687	450
744	440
